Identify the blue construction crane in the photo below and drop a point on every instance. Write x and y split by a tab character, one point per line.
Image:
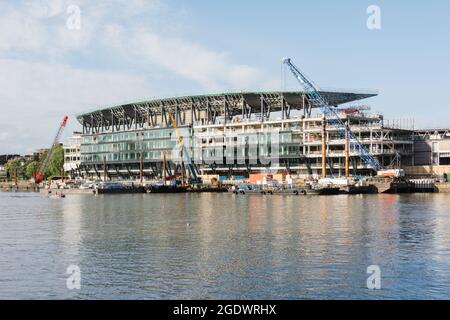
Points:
332	116
185	158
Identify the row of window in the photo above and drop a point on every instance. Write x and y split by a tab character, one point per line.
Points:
284	137
71	150
159	144
247	139
128	146
71	159
127	156
128	136
283	150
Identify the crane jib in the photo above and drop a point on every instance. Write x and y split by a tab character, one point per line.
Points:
39	176
185	152
332	116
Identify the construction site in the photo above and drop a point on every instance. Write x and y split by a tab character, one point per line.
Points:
222	131
286	138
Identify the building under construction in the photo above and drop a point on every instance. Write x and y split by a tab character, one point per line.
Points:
235	134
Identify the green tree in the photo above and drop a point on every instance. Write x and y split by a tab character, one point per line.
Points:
56	162
26	170
16	166
31	168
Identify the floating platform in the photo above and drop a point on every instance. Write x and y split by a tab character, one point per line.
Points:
166	189
425	186
295	192
181	189
208	190
393	186
324	191
118	188
286	192
119	191
371	189
248	191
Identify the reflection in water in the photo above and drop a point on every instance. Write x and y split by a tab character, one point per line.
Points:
71	214
224	246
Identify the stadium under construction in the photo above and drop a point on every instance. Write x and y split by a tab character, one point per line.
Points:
236	134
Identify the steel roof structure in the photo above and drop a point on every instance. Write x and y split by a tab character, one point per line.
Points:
233	102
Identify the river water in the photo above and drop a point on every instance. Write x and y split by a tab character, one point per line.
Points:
224	246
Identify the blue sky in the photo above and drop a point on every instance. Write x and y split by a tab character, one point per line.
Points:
135	49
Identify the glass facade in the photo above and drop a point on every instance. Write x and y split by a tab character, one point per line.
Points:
127	146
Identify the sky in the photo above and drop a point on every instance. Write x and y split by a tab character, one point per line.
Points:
61	57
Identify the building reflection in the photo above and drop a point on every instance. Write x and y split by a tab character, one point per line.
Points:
72	213
202	245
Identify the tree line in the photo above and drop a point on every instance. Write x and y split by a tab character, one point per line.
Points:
25	169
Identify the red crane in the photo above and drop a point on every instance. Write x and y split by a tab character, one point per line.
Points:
39	175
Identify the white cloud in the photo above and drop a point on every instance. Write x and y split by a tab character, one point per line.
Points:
40	28
18	31
212	69
36	95
44	8
49	70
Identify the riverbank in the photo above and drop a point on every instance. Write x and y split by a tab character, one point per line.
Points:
68	191
417	187
21	186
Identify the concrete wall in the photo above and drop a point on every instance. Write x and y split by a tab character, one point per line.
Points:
422	152
443	187
427	170
444	145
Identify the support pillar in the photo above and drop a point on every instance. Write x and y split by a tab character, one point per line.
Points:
262	108
324	149
105	170
347	151
141	169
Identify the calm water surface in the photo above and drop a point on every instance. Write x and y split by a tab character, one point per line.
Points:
202	246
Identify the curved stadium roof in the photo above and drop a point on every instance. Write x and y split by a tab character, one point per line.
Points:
273	99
